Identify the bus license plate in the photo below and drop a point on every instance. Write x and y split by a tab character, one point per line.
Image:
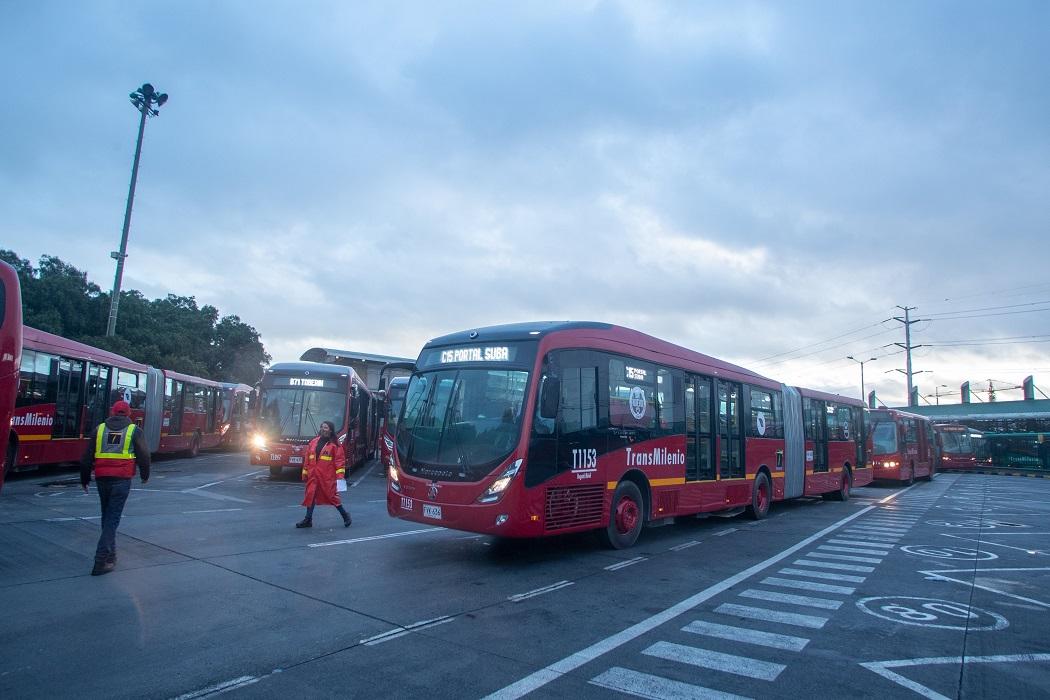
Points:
295	460
430	511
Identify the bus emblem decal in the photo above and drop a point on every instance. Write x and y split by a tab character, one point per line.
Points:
432	490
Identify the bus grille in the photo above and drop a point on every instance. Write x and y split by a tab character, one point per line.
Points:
574	506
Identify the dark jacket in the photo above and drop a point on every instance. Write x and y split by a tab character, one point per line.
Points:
138	446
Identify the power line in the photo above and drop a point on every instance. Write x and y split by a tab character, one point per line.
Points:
820	342
989	308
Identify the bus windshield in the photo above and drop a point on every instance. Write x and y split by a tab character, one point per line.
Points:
956	443
458	424
298	413
884	438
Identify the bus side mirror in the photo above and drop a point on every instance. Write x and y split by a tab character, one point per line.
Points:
550	397
381	395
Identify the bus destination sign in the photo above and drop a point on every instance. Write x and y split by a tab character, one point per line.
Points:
479	354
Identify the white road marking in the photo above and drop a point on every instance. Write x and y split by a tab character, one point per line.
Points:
748	636
556	670
679	548
807	585
219	688
766	615
855	550
996	544
644	685
883	668
862	543
724	532
518	597
938	575
792	599
376	537
217	510
716	661
879	530
843	557
623	564
822	575
402	631
833	565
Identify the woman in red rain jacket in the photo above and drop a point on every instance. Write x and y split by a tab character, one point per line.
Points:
325	464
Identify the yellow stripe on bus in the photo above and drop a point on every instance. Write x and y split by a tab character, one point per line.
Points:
678	481
24	438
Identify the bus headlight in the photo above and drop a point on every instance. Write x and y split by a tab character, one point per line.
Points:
395	484
495	492
259	441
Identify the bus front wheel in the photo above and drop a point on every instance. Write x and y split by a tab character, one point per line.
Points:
275	472
626	515
844	488
761	497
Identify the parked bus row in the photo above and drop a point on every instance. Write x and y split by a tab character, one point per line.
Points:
64	388
552	428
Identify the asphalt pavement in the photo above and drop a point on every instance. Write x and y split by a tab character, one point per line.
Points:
938	590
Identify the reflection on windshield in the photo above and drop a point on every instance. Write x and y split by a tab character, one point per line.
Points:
884	438
396	399
957	443
464	420
298	413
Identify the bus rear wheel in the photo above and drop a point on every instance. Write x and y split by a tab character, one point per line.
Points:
844	488
911	476
761	497
626	515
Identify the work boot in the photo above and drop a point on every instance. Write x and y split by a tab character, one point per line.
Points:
347	521
305	522
103	567
112	558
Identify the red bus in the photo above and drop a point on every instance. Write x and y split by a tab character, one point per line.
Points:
236	415
392	401
65	389
959	446
10	354
902	445
548	428
294	398
190	411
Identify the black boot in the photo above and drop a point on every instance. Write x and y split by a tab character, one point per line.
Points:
305	522
346	520
102	567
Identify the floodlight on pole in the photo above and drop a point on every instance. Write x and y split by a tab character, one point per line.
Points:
144	100
861	363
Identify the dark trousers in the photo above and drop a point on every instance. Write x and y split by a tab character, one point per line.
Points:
310	510
112	492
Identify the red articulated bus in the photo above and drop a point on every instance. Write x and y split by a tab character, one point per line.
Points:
65	389
959	446
190	410
294	398
236	415
10	354
902	445
548	428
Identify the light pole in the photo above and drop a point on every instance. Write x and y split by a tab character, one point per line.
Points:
863	396
144	98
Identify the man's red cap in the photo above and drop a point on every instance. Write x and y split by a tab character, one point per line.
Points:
121	408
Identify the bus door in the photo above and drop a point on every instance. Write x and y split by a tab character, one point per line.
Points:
213	405
96	398
699	441
173	404
794	458
730	445
820	436
68	402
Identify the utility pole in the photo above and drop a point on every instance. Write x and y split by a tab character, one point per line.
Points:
144	98
907	321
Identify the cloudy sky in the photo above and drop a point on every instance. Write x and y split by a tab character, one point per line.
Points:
762	182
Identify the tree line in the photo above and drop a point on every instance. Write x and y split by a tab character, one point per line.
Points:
173	333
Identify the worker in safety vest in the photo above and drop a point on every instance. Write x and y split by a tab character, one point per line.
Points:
116	447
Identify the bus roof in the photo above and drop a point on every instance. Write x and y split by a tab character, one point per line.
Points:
825	396
603	332
334	356
178	376
897	413
322	368
35	339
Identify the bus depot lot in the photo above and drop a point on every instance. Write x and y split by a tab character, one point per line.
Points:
936	591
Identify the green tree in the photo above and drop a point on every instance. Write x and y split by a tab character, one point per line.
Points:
172	333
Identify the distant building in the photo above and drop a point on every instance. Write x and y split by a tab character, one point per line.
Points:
365	364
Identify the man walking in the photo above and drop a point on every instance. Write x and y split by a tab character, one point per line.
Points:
118	446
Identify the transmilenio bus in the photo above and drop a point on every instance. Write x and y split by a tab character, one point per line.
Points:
902	445
294	399
556	427
236	415
66	389
10	354
960	446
